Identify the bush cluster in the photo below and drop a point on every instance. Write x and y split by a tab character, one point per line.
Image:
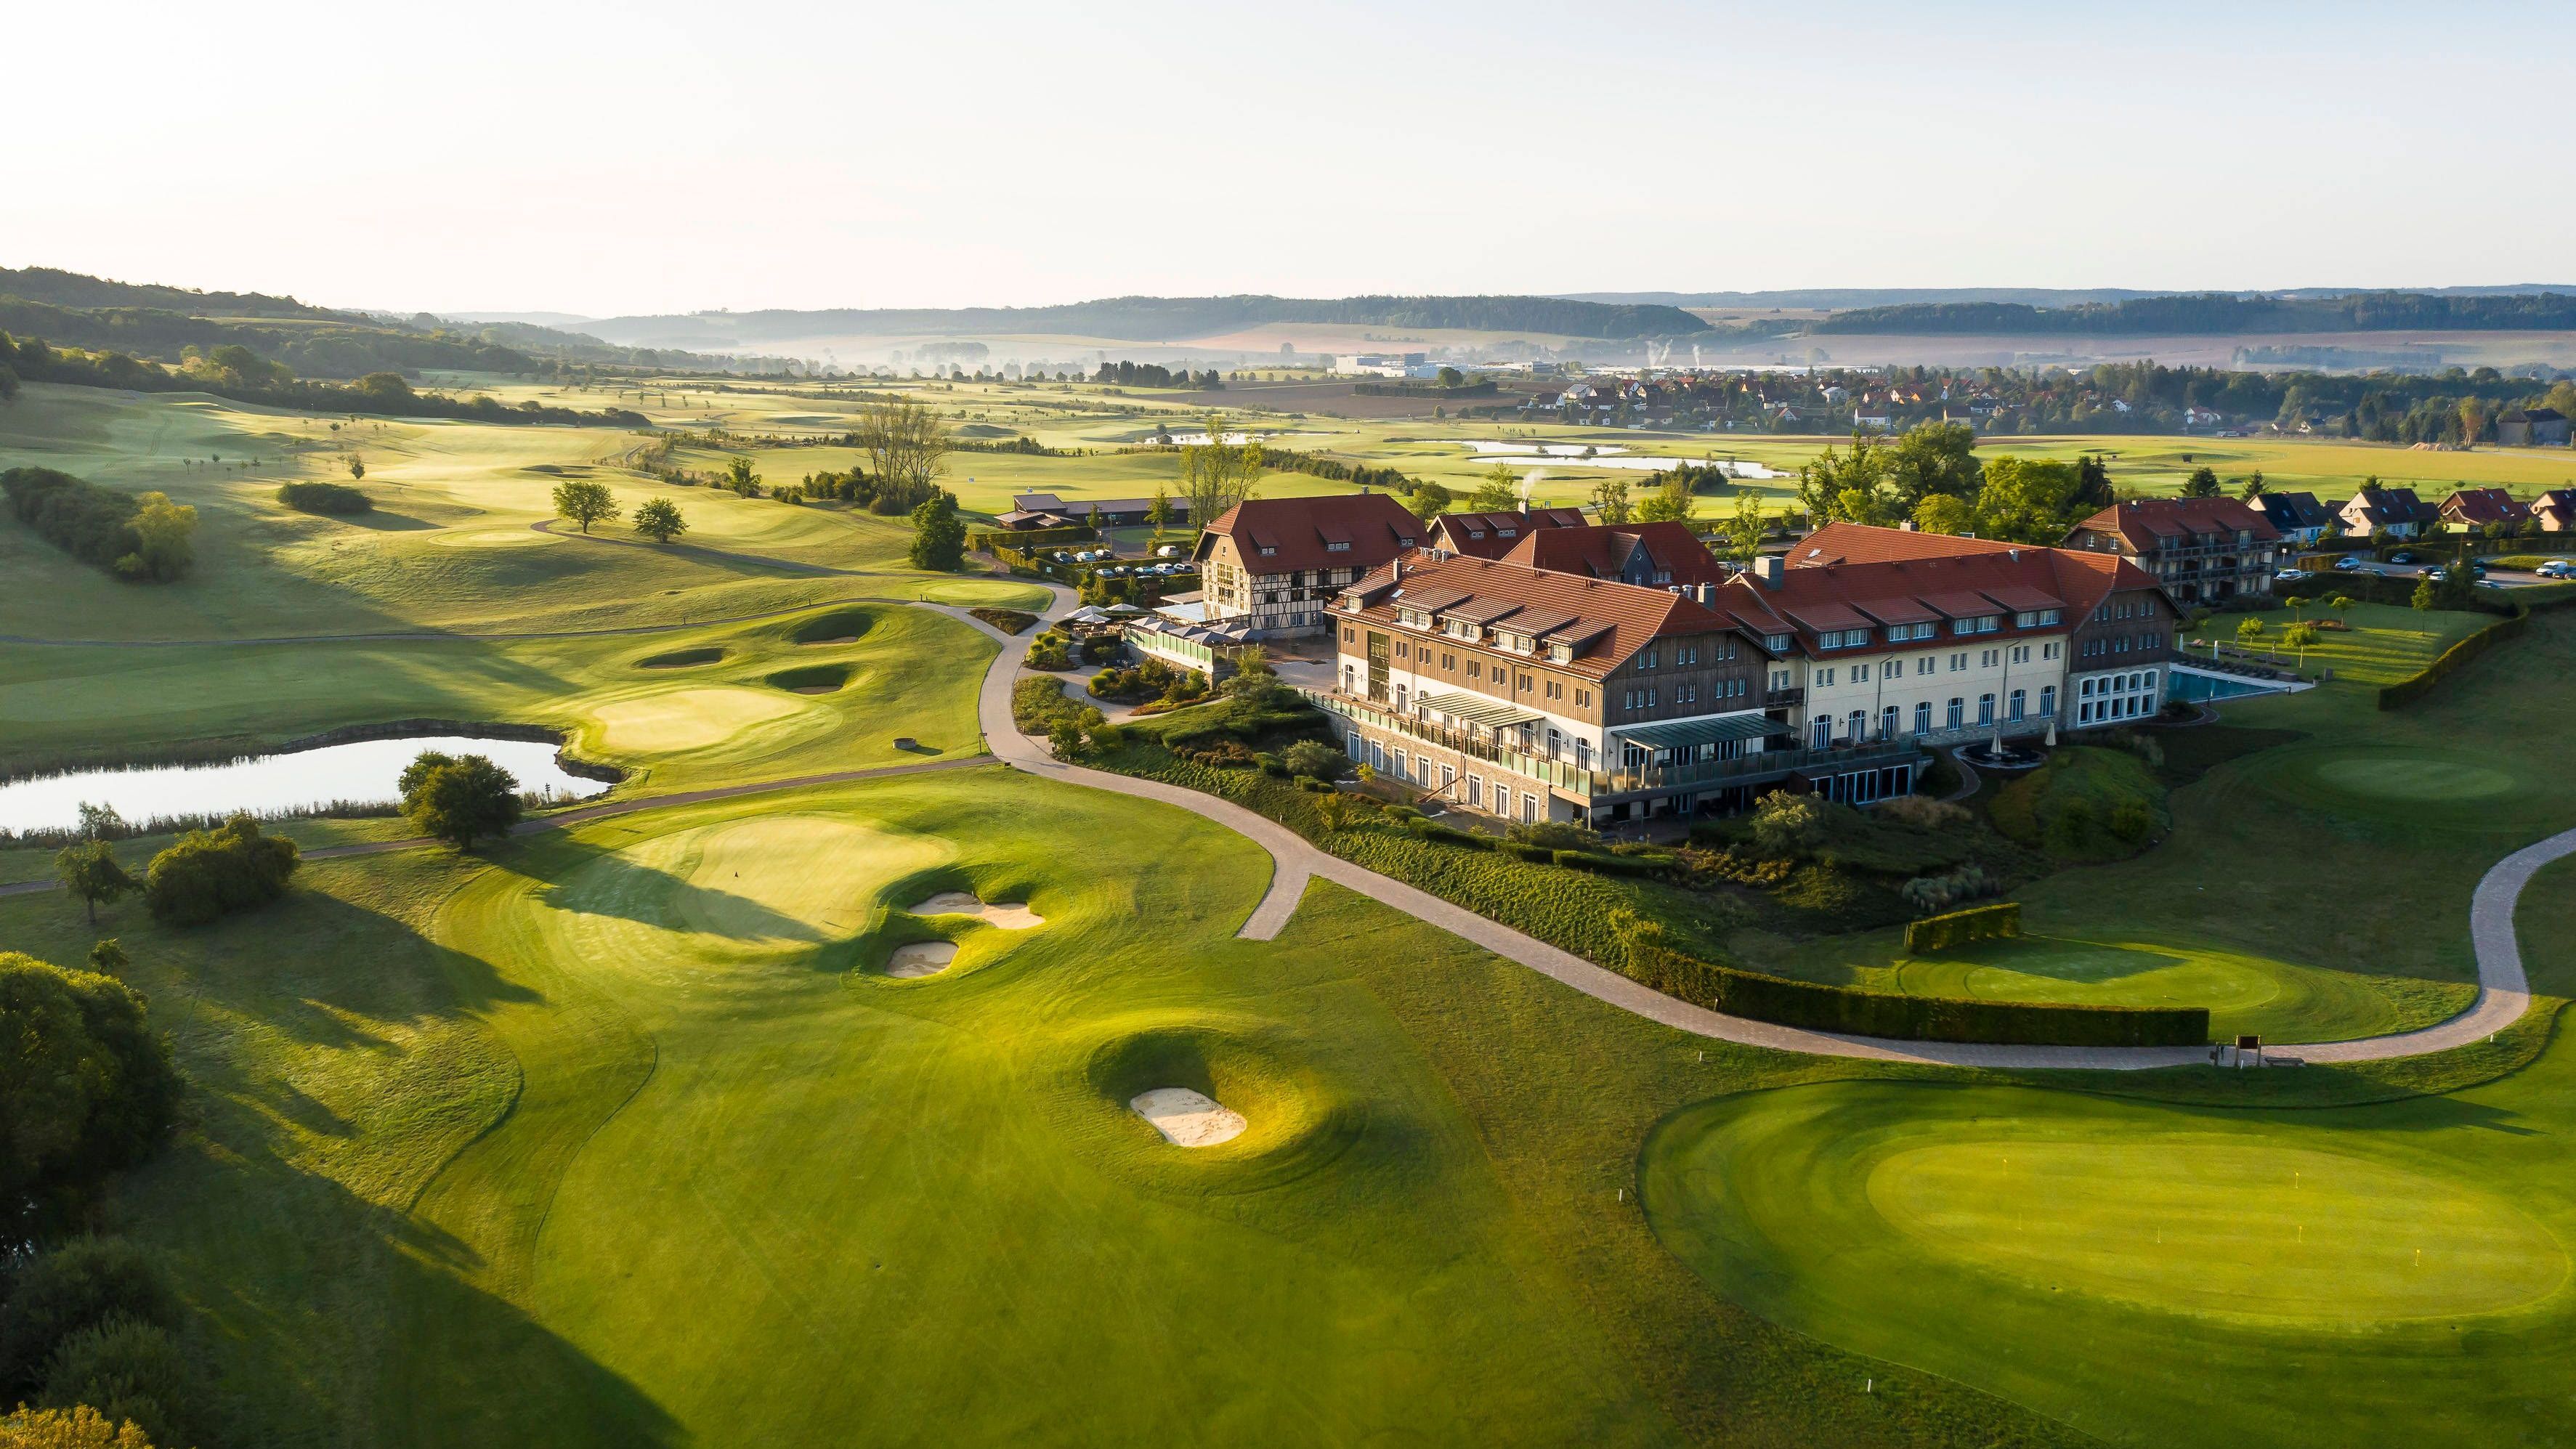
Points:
324	498
86	1085
134	536
212	873
93	1323
1932	894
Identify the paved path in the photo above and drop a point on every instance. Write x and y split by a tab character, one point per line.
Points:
2503	992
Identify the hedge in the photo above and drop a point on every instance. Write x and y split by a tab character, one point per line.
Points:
984	540
1841	1009
1614	864
1959	928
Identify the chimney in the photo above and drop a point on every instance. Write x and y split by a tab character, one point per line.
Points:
1395	569
1708	593
1767	569
1907	525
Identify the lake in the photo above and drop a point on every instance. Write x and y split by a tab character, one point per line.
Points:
362	772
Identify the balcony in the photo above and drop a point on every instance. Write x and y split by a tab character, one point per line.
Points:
1586	783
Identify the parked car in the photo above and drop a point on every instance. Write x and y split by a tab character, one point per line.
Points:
2290	576
1169	550
2349	563
2402	558
2556	569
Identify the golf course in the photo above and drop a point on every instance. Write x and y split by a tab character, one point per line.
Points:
751	1103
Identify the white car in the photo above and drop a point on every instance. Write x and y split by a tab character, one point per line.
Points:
1169	550
2290	576
2556	569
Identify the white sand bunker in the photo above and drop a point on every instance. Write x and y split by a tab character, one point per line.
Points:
1009	915
921	958
1187	1118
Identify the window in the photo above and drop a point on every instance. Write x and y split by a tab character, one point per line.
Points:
1985	710
1857	728
1475	670
1583	699
1776	643
2048	701
1957	716
1821	731
1926	664
2048	650
1268	549
1958	662
1779	679
1330	548
1988	659
1887	723
1860	674
1399	766
1448	661
1647	659
1923	718
1824	678
2019	698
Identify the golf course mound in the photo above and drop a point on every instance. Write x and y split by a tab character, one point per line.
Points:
686	719
2279	1000
752	886
681	658
1264	1110
489	538
840	626
811	678
1009	915
1187	1119
915	959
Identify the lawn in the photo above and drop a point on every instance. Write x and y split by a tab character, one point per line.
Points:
2384	1274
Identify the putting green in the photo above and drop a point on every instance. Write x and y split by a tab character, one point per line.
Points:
2412	779
2210	1225
687	719
2327	1275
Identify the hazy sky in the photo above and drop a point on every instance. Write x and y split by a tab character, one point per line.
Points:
599	159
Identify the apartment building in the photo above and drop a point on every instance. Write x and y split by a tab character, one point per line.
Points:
2203	550
1271	567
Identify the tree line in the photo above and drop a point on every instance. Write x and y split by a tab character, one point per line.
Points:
241	374
2222	314
141	537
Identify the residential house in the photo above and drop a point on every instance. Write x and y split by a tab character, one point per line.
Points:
1274	565
2203	550
2556	510
2298	517
1491	535
1113	512
2397	510
2474	510
2532	428
1651	555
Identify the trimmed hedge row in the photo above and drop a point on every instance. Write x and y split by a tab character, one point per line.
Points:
1959	928
2407	691
1840	1009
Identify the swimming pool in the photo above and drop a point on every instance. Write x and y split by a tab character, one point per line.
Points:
2194	684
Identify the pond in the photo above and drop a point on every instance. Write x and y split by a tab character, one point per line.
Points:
361	772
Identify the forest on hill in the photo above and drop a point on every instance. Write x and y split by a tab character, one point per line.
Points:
2222	314
1162	319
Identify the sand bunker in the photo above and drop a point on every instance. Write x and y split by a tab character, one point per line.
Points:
921	958
1187	1118
1009	915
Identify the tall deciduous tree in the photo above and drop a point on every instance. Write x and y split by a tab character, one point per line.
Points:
88	870
2028	500
939	535
584	502
1497	492
1610	500
459	798
906	442
1430	499
1216	475
659	520
1670	503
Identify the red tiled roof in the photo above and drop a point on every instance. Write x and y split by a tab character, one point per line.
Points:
1283	535
1491	535
1506	593
2484	505
1602	550
2141	521
1853	564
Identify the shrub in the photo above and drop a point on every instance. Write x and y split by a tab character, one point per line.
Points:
211	873
78	1427
134	536
128	1370
1555	834
1932	894
324	498
86	1085
1315	759
1613	864
81	1284
1051	650
1787	826
1924	812
1959	928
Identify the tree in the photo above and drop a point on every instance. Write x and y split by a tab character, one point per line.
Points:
939	535
1670	503
659	520
1430	500
1933	458
1945	513
89	871
2028	500
1610	500
1745	528
1217	475
1159	511
1451	377
1849	486
357	468
1497	492
2254	485
459	798
2203	483
2249	631
86	1087
2340	603
1787	826
78	1427
741	478
107	956
165	538
2093	483
906	442
584	502
210	873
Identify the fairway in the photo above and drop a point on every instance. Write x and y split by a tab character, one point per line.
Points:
685	719
2335	1276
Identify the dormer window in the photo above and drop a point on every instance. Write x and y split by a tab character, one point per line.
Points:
1268	549
1506	532
1330	548
1560	653
1776	643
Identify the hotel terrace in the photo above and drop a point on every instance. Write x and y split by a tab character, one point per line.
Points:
1533	693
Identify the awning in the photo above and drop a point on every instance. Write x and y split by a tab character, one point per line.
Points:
1678	734
1476	710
